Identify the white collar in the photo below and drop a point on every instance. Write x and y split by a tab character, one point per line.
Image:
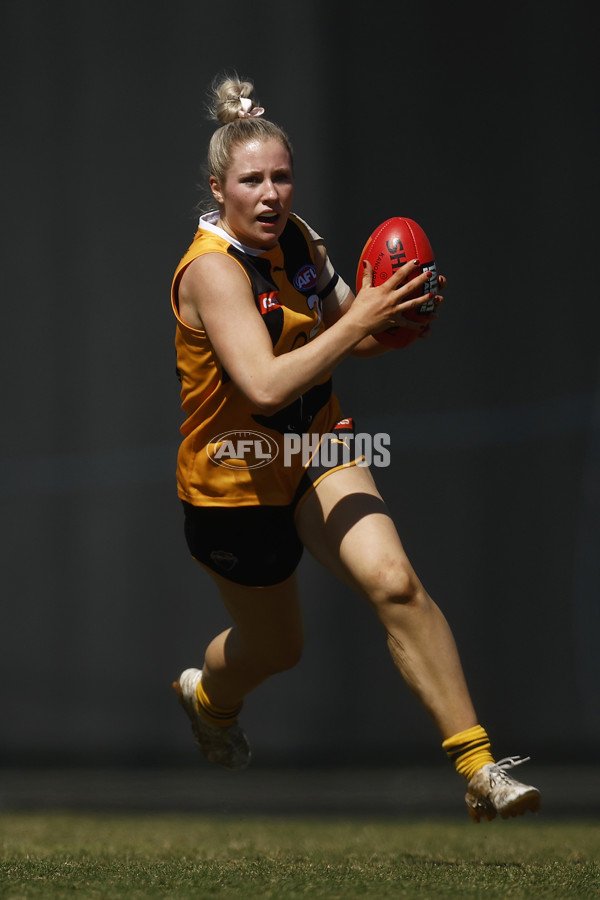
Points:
208	222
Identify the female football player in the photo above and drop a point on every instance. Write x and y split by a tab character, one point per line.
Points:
267	465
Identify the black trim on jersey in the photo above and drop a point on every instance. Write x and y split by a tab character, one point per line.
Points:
297	417
296	256
329	287
259	273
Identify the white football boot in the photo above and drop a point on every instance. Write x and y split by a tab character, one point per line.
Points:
227	746
491	791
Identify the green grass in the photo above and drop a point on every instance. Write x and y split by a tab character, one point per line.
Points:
59	855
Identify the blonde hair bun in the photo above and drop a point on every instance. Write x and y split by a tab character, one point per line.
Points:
226	95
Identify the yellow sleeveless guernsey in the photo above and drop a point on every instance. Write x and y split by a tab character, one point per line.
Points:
231	454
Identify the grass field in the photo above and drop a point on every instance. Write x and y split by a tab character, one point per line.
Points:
55	855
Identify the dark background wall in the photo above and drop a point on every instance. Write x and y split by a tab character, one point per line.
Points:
477	121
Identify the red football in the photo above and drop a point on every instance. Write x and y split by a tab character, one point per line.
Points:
396	242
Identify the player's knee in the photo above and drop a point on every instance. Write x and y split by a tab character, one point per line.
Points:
396	586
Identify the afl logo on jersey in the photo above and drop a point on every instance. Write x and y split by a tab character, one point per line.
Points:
305	278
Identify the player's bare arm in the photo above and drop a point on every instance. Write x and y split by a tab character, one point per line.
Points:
215	295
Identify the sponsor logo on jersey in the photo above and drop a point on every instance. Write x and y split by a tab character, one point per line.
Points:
305	278
242	449
268	302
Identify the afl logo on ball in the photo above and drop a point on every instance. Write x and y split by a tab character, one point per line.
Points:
242	450
305	278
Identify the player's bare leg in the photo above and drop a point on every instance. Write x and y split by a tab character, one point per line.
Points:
267	637
347	527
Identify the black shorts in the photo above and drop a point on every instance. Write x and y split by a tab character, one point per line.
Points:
258	546
252	545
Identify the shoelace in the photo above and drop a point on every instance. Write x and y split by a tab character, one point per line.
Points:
499	768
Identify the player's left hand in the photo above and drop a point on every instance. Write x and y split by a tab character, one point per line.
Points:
425	330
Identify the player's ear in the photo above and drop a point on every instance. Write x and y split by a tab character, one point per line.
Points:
216	189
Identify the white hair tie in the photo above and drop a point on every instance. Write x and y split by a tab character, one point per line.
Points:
248	111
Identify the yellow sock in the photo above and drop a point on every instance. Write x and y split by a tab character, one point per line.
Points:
214	714
469	750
